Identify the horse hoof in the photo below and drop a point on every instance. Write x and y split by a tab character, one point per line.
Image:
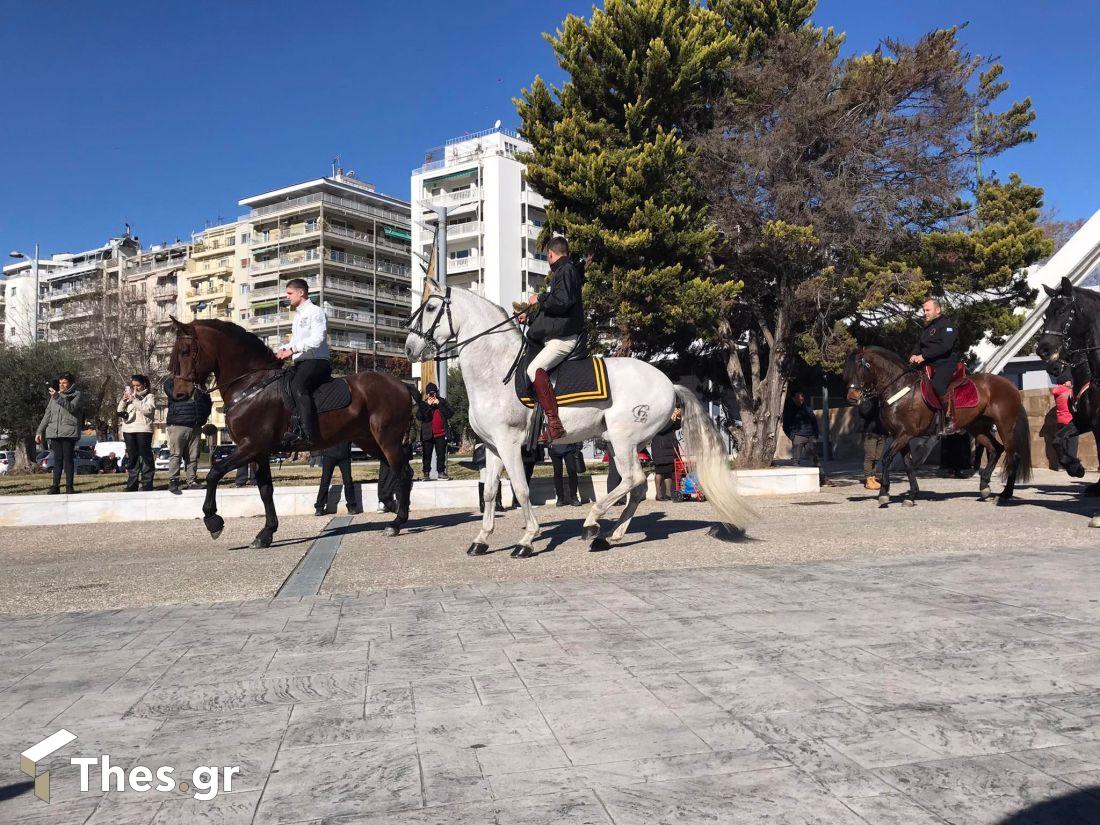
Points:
983	495
590	532
1094	521
260	543
883	501
390	532
598	545
522	551
724	532
215	524
477	549
908	502
1003	499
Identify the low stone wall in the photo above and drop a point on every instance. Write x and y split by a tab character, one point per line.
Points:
90	508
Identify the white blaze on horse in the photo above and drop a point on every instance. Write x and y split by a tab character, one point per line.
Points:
642	398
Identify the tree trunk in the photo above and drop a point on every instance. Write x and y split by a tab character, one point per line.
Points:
760	394
25	451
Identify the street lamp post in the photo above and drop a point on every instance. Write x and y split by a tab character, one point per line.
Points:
34	273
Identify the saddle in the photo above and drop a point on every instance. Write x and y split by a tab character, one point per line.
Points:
332	395
579	379
965	391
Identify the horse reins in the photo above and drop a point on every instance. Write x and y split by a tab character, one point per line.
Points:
222	390
864	363
451	347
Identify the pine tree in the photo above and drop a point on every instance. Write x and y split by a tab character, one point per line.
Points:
611	158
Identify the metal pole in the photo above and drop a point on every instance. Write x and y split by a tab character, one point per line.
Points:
34	268
826	446
441	278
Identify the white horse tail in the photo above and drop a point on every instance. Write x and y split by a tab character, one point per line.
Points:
706	455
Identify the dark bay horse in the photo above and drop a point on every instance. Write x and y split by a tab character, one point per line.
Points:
1071	337
873	371
247	375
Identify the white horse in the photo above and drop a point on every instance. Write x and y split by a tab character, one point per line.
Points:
642	400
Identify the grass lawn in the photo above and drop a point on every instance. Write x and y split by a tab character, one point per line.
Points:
289	475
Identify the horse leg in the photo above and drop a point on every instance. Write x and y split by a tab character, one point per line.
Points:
911	473
211	520
620	450
1094	488
637	496
267	493
993	451
513	463
896	444
493	467
398	486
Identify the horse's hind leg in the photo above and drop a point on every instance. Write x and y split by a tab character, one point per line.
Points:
398	486
267	493
911	473
896	445
625	456
637	496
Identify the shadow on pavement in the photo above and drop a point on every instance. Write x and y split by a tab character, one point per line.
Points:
1074	808
15	789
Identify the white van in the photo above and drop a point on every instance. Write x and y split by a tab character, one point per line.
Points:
105	448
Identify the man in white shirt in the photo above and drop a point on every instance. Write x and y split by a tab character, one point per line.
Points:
308	350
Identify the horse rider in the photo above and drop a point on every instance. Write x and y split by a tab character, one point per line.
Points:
557	321
309	354
936	348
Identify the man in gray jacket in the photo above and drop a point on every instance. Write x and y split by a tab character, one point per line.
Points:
60	425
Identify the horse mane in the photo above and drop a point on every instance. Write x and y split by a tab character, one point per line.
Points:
887	355
501	310
255	350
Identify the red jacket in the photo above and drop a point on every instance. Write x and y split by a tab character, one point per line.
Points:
1062	396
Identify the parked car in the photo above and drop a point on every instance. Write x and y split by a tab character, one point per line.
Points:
7	460
161	461
84	461
221	451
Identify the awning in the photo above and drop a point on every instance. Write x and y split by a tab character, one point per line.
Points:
274	302
400	234
429	181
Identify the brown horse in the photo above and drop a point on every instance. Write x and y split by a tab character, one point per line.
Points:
876	372
247	375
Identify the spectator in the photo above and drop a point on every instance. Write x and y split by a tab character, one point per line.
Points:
955	461
109	464
60	425
564	457
663	452
136	407
800	426
477	462
184	422
434	413
1064	440
530	457
874	440
338	455
245	475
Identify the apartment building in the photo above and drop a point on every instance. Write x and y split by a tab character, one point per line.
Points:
17	306
493	218
214	284
351	244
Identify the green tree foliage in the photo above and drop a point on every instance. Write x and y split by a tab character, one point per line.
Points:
25	373
835	184
459	400
610	157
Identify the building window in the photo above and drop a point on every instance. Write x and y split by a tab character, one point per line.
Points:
523	182
311	225
245	289
246	237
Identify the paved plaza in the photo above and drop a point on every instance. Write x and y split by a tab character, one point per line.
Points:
849	665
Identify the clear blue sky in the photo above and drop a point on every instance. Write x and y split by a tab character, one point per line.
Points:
165	114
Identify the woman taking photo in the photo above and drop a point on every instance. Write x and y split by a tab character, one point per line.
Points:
136	407
60	425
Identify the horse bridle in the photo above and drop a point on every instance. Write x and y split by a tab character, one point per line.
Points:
451	345
865	365
196	350
1071	316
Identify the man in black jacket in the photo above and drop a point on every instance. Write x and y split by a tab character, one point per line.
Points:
434	413
800	426
557	321
185	420
936	347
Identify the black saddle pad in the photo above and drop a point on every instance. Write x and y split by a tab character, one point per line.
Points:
575	382
332	395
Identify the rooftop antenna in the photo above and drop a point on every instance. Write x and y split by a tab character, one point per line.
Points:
497	124
335	163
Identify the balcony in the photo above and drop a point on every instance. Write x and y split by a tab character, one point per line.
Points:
286	261
461	230
452	198
174	262
283	236
308	201
368	264
536	265
218	293
271	319
163	293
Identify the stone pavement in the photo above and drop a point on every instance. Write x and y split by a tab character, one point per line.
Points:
957	688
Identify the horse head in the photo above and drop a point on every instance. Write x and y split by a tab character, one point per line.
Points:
858	375
1061	322
189	363
431	326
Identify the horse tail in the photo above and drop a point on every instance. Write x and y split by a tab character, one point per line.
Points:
1021	446
708	459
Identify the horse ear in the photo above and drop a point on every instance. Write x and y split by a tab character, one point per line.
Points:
180	325
1049	291
1066	286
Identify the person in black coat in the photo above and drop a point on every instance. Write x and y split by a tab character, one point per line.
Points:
663	452
800	426
184	422
564	459
338	455
936	348
434	413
